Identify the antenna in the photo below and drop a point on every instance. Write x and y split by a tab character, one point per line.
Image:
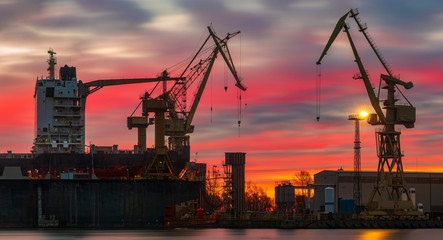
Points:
51	61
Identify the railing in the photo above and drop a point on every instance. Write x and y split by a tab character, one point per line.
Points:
363	28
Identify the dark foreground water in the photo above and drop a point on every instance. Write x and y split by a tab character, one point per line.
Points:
213	234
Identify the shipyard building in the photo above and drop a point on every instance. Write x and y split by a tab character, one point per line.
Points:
427	187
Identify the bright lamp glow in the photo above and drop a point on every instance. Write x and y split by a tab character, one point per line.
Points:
363	114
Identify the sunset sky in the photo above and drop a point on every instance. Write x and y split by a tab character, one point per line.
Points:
275	54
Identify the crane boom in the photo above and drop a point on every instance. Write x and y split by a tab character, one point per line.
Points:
199	94
338	27
341	24
220	44
200	72
98	84
375	102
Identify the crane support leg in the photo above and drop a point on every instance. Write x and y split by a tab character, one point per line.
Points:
390	183
161	164
142	139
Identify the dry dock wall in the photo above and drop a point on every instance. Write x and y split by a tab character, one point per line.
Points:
90	203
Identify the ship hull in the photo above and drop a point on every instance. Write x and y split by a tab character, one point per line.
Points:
90	203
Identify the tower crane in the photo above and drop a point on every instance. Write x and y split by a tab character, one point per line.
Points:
177	123
390	182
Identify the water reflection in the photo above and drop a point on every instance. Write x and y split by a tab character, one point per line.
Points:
216	234
378	234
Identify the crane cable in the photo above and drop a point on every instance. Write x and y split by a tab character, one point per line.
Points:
318	91
246	93
211	80
246	100
225	77
239	94
239	110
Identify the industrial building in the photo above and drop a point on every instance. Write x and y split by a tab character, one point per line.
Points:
427	185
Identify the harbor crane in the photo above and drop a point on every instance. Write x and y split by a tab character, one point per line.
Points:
172	116
386	197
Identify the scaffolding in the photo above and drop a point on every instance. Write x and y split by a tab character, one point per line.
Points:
234	182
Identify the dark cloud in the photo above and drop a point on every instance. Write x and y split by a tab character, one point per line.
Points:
405	15
126	11
102	16
14	13
278	4
215	12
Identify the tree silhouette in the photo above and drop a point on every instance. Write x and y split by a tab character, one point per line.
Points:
302	178
256	198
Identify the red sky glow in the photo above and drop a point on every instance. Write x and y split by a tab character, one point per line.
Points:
275	54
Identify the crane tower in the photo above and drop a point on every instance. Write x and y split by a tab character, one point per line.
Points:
390	181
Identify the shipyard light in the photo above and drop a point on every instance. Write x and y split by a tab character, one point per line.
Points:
363	114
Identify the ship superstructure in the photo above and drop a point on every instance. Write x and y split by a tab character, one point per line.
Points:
60	108
60	116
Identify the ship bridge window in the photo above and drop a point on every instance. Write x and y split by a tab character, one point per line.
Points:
50	92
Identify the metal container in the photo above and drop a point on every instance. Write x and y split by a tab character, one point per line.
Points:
329	200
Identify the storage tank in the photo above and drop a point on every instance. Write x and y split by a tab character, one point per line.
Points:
404	197
420	207
412	193
329	200
285	196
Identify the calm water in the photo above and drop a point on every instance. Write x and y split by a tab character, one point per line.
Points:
214	234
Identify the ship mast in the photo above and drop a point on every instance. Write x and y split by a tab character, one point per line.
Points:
51	61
